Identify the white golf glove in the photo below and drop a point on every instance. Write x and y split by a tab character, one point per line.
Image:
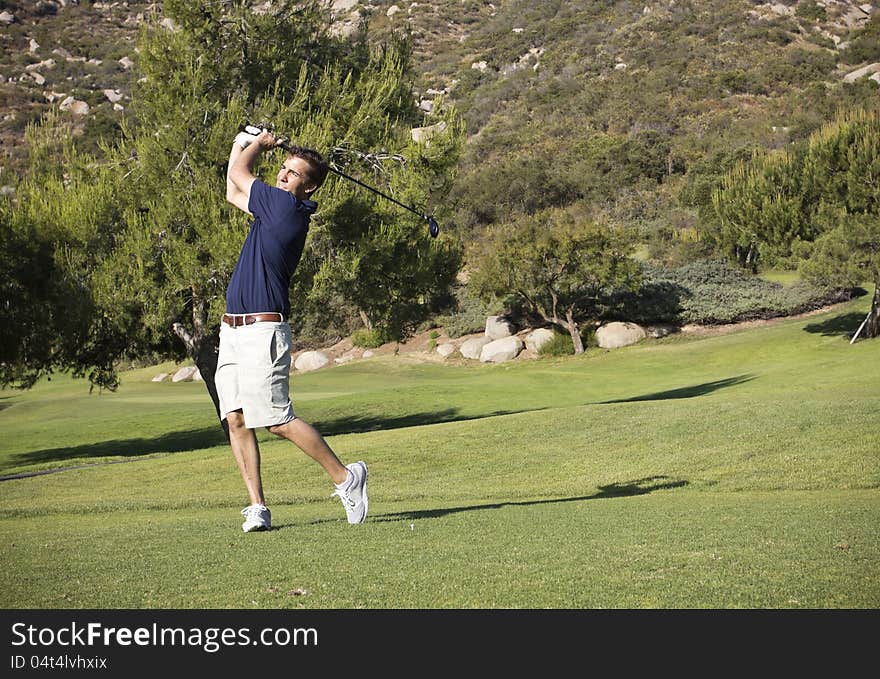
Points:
244	139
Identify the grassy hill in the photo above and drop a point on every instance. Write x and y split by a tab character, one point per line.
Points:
730	471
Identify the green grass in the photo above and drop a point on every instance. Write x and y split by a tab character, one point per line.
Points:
781	276
734	471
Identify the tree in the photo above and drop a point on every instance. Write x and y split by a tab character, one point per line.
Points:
817	204
171	242
59	228
847	255
559	264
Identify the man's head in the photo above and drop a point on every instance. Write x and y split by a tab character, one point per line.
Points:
302	173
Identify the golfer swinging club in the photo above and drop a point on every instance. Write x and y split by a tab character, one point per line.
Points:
253	367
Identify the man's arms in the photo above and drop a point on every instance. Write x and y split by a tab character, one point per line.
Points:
240	170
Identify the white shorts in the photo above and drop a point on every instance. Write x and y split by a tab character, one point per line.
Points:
253	373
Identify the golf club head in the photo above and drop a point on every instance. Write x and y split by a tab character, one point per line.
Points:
433	226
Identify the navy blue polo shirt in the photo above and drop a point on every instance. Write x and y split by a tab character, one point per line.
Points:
271	251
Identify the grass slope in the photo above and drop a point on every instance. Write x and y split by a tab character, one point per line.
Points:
732	471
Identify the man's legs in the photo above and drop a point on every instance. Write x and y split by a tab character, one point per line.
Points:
305	437
350	480
247	455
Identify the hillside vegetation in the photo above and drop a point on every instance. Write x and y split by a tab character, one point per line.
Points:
621	114
634	108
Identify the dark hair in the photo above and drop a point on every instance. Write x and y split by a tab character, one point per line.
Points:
318	167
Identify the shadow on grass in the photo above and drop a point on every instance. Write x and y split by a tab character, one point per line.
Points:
208	437
686	392
362	424
843	326
173	442
624	489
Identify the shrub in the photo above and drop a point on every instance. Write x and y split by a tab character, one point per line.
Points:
716	292
865	46
811	11
559	345
468	316
369	339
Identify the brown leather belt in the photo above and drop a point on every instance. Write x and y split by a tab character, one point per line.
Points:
237	320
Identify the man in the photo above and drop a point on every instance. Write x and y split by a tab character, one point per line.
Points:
253	366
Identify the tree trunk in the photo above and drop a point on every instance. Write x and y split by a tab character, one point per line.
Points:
366	319
203	347
203	351
872	329
574	331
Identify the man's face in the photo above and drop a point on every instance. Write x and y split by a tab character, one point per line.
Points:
294	177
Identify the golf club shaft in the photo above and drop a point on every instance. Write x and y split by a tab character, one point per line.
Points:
254	129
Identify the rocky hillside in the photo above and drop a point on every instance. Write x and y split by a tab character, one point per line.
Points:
534	80
77	56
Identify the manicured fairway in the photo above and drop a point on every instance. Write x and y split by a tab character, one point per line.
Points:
730	471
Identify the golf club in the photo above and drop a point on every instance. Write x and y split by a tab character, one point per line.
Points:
433	227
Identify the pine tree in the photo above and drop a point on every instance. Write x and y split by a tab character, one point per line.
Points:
818	203
169	241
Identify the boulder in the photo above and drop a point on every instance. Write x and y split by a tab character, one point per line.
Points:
160	377
310	360
423	134
538	338
39	66
658	331
446	349
861	72
6	17
501	350
368	354
619	334
75	106
185	374
473	347
498	327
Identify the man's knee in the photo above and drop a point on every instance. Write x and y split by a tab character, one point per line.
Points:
280	430
235	420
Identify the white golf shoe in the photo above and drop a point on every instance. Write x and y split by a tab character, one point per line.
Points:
353	492
256	517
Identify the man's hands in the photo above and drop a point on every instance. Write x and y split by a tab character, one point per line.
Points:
265	139
243	139
242	158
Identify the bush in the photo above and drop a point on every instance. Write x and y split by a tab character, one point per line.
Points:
560	345
656	301
811	11
468	316
865	46
716	292
369	339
